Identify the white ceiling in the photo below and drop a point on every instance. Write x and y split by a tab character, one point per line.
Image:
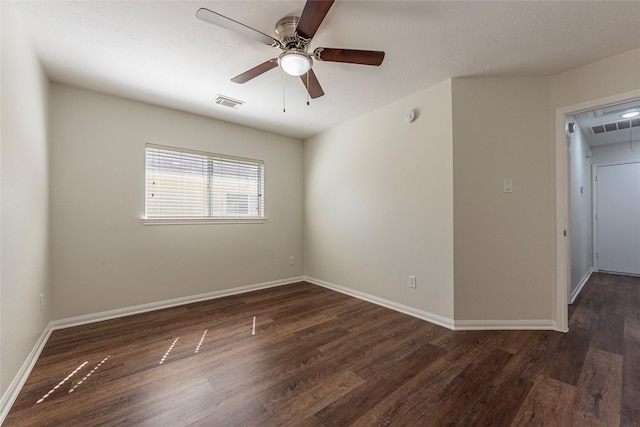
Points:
159	52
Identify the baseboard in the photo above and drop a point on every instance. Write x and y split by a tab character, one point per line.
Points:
504	325
411	311
578	289
137	309
16	385
461	325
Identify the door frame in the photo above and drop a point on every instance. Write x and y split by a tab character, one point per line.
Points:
563	256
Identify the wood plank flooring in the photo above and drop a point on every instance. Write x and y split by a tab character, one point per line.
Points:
320	358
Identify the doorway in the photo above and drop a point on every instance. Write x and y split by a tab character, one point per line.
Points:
617	218
563	193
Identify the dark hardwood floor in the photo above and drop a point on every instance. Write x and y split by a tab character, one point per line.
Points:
320	358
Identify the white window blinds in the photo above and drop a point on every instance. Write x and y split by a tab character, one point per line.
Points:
189	184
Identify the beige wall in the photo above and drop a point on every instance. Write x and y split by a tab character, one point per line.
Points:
502	240
104	258
24	199
381	198
504	244
378	203
611	76
506	265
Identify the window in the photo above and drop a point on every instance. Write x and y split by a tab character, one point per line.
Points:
191	185
237	204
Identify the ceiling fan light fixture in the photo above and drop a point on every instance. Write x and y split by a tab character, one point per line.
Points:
295	63
630	114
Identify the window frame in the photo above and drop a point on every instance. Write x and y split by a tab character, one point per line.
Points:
224	219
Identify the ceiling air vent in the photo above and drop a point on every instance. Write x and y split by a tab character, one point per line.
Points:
228	102
612	127
623	125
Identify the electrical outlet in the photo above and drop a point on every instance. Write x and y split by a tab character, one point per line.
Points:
292	260
412	282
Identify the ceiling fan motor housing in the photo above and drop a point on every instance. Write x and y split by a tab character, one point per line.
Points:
286	33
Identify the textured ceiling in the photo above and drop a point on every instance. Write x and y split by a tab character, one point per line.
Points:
159	52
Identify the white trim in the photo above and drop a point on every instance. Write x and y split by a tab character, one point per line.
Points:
21	377
486	325
14	389
578	289
411	311
16	385
594	213
196	221
562	199
617	273
463	325
563	256
137	309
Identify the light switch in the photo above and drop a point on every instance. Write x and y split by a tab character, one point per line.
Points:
508	185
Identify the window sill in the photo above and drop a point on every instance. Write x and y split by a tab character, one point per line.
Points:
195	221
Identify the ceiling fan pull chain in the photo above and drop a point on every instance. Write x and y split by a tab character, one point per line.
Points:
284	96
308	71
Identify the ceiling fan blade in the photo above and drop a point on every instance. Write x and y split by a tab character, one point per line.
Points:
313	86
235	26
350	56
255	71
312	16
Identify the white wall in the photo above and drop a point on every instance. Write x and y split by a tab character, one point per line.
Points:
378	203
503	263
24	198
617	153
580	204
104	258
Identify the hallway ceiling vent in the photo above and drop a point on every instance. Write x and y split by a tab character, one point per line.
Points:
612	127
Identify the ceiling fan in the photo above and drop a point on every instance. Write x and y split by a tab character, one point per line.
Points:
293	37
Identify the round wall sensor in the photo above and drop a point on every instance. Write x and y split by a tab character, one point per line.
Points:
409	116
